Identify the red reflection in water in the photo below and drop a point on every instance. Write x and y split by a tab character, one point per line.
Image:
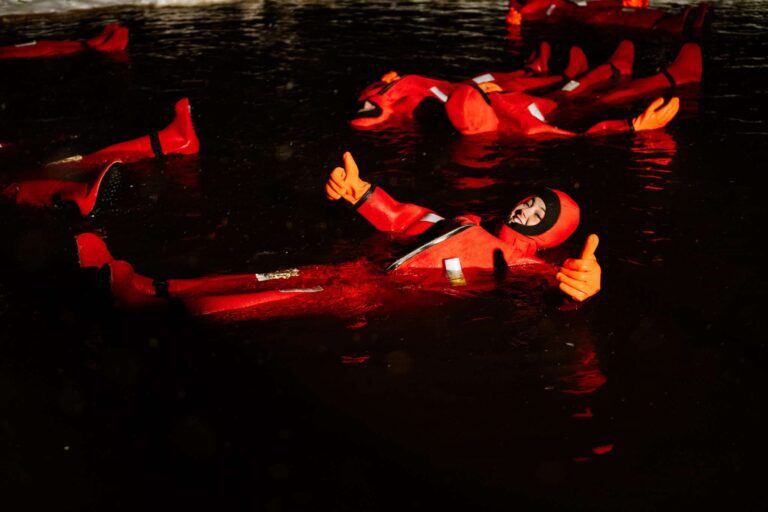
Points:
354	360
469	182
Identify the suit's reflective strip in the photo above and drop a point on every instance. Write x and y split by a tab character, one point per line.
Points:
278	274
535	112
431	217
440	94
570	86
483	78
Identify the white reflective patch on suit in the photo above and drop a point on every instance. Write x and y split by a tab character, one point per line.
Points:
68	160
278	274
535	112
483	78
452	264
628	9
440	94
571	86
580	3
303	290
550	9
431	217
31	43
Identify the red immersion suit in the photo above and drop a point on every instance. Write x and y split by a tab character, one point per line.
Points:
615	13
354	287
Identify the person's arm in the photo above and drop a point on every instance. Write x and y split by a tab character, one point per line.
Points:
379	208
656	116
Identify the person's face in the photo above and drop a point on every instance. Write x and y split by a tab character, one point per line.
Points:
528	212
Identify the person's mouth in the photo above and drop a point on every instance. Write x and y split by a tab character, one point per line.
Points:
367	108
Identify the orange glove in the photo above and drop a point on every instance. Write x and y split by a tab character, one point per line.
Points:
580	278
346	182
514	17
390	77
656	116
488	87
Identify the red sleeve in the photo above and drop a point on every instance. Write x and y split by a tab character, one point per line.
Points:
608	127
388	214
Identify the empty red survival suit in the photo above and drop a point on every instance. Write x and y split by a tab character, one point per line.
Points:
628	14
113	38
78	179
393	100
535	73
474	109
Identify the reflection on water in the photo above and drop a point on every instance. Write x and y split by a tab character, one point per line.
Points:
496	394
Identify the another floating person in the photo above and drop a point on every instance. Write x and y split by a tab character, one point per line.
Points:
396	100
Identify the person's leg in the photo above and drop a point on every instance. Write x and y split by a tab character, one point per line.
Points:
685	69
308	290
577	64
617	67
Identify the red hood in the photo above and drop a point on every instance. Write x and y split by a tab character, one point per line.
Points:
560	221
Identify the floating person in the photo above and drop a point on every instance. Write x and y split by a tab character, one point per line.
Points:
396	100
78	179
633	14
114	38
459	248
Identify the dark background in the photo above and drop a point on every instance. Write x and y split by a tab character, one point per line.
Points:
469	404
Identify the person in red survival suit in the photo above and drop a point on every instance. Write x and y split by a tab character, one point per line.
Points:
620	13
537	222
113	38
395	100
78	179
476	109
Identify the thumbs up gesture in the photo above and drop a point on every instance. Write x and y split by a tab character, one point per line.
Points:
346	182
580	278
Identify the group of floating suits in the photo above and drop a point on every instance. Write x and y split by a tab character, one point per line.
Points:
445	252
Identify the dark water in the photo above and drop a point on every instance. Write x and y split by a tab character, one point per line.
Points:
646	398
